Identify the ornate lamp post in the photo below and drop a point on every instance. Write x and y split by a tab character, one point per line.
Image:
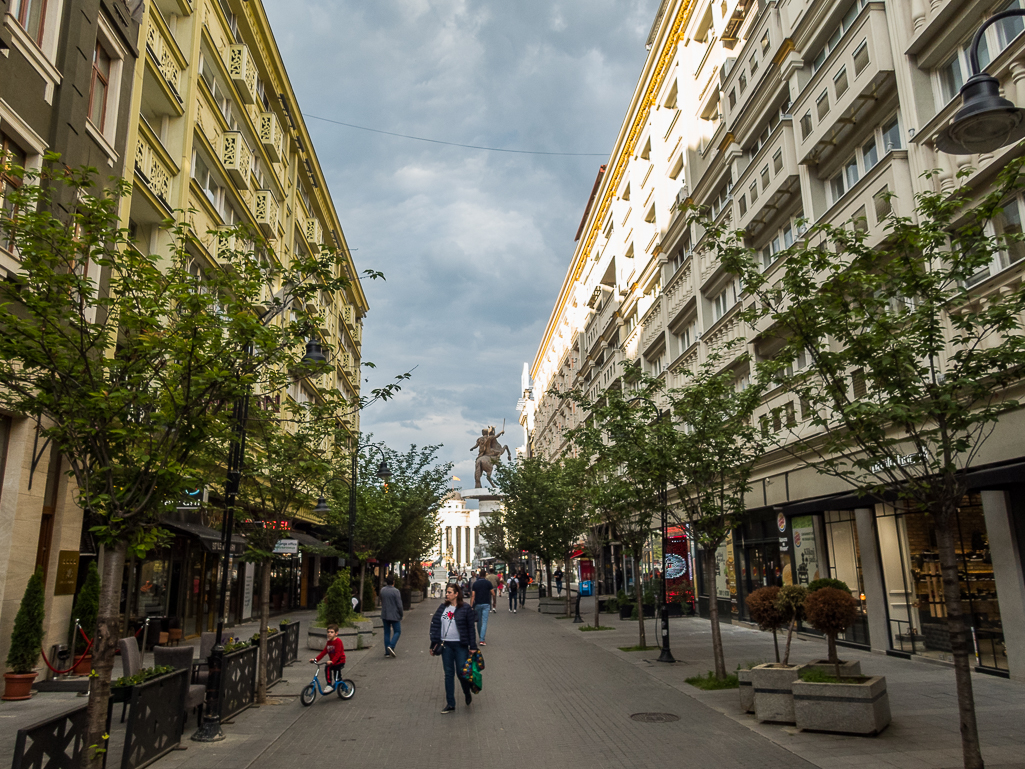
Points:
986	121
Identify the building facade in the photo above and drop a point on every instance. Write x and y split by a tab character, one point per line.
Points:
771	113
66	73
459	536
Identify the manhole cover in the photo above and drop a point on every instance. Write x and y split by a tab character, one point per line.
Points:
655	718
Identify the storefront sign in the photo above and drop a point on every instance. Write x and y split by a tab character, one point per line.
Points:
286	547
247	591
806	557
725	570
67	573
781	523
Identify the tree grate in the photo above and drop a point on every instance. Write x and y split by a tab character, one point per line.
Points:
655	718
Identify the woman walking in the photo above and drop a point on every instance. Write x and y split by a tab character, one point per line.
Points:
453	636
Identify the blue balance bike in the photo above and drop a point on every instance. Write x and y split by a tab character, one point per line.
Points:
344	688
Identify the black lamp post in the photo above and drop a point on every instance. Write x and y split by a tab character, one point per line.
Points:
986	121
210	731
663	500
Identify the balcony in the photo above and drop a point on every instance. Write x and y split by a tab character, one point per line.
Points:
153	165
869	201
651	326
853	78
770	178
313	232
165	55
226	243
237	158
680	290
265	210
729	334
747	76
242	70
272	137
598	324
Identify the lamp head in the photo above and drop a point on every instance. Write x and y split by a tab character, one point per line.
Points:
383	472
314	353
321	507
986	121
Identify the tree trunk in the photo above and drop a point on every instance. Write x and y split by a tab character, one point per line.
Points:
959	642
362	576
775	643
104	645
640	600
261	665
790	637
713	614
831	646
597	586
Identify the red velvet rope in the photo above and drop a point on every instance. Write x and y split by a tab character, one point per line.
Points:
89	645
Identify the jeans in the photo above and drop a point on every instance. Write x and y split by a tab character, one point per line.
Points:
512	601
482	610
523	597
453	657
392	631
558	586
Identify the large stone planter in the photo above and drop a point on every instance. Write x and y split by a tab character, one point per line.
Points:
365	634
553	606
858	707
375	617
416	596
773	693
747	691
847	669
316	637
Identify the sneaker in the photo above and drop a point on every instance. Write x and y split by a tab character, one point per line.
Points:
448	709
483	644
390	650
514	611
329	688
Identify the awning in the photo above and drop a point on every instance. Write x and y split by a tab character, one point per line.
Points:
307	540
577	553
211	539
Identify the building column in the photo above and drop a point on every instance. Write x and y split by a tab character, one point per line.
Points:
872	577
459	545
1007	572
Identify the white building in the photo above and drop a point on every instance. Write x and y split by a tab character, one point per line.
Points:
459	533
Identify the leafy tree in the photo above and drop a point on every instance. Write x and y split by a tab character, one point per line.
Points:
132	362
337	603
27	637
901	357
761	605
545	509
830	611
790	605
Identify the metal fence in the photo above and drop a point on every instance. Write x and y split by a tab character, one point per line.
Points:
292	644
275	645
156	719
56	743
238	681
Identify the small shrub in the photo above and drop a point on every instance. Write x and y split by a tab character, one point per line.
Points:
337	601
87	606
762	606
790	605
611	606
711	683
143	676
831	611
588	628
818	584
27	637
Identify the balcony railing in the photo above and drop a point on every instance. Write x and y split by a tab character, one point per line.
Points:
852	78
771	176
313	232
651	325
152	164
272	137
236	157
167	57
265	210
242	70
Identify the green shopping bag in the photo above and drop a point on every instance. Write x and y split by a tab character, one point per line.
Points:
471	672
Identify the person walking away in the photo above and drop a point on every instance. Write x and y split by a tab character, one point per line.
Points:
336	659
480	601
391	615
453	637
513	584
523	580
558	580
493	579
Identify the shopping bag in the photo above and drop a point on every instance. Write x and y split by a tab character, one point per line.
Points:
471	672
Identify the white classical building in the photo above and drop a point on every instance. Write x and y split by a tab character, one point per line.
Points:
459	535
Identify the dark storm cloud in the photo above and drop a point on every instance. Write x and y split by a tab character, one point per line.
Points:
474	244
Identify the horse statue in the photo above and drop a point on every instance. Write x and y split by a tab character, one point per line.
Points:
489	453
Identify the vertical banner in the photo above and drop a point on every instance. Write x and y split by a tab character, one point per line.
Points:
679	584
725	570
247	591
806	555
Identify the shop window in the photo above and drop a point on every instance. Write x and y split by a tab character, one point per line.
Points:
844	554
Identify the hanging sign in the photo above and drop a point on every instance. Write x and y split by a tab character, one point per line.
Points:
286	547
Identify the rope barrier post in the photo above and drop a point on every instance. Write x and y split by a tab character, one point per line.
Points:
578	619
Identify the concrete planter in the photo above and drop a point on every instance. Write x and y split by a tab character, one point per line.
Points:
416	596
316	637
375	617
747	691
847	669
858	707
553	606
365	634
773	693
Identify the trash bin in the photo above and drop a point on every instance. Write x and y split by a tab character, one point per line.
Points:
542	591
586	588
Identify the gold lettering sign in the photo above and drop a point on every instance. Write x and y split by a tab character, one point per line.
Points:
67	573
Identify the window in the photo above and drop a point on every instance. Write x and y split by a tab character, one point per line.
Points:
11	155
782	238
953	73
215	192
722	198
684	337
98	87
208	72
725	299
834	39
869	154
840	82
865	159
1007	223
31	15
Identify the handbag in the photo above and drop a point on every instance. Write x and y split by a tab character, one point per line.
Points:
471	672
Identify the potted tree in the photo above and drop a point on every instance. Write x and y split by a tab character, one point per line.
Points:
26	641
761	605
830	609
87	604
772	682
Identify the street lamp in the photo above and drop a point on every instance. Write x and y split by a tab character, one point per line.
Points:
986	121
663	499
210	731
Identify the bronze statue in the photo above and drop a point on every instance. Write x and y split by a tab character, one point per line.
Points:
489	453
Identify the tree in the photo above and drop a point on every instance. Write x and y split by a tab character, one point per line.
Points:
131	362
27	636
86	605
545	507
790	605
830	611
761	605
901	358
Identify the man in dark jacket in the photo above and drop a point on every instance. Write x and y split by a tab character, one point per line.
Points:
480	602
391	615
453	637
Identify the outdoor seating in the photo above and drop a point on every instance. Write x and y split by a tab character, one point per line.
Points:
131	663
180	658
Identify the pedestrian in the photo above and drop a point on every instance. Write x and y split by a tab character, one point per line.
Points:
336	659
453	637
524	580
513	585
391	615
558	580
493	579
480	601
501	584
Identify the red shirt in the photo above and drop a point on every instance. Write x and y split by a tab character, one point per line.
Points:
335	650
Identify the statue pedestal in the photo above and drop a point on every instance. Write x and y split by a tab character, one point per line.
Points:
488	500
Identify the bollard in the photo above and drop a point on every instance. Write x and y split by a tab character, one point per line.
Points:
578	620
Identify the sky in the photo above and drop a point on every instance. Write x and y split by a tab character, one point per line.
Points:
474	244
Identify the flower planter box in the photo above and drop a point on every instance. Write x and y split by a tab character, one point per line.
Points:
626	612
649	609
847	669
858	707
747	691
773	693
553	606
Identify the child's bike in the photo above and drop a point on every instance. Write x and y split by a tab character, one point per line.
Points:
344	687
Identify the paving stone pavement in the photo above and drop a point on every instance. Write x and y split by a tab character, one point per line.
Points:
556	697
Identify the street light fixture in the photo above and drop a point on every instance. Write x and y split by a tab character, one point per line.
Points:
210	731
663	499
986	121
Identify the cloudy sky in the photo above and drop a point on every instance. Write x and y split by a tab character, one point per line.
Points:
475	244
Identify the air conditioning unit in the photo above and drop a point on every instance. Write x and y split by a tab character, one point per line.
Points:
682	195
